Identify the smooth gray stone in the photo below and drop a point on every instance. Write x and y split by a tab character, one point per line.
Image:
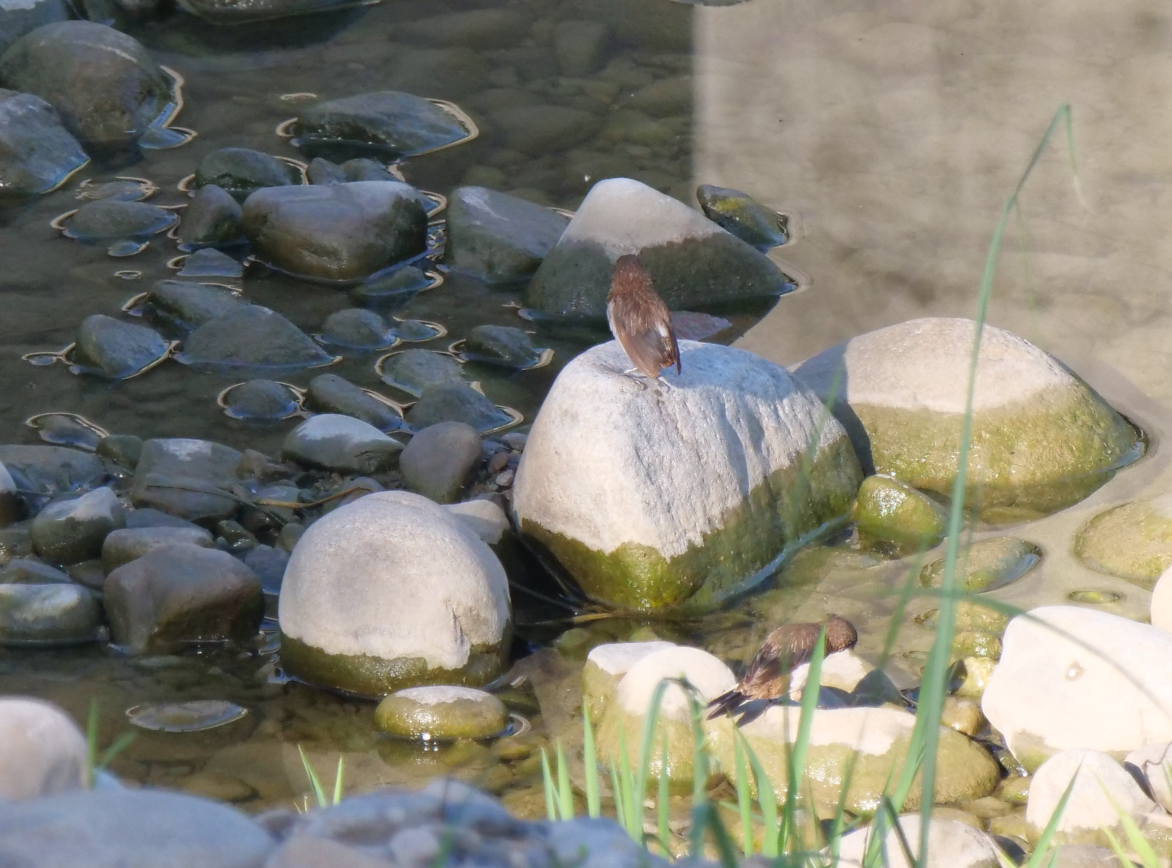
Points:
48	614
329	393
115	220
25	571
496	237
342	443
108	347
212	217
439	461
186	478
393	123
241	171
252	339
36	151
71	531
455	402
124	545
192	304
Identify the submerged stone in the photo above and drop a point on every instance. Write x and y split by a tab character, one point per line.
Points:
987	564
123	449
231	12
261	401
415	370
692	261
114	220
49	470
542	129
496	237
1041	438
191	304
600	492
417	331
109	347
71	531
36	152
104	84
329	393
341	443
366	169
211	263
47	615
391	591
501	345
441	712
396	287
67	429
742	215
456	402
197	715
212	218
387	122
895	512
1132	541
251	337
356	328
343	232
240	171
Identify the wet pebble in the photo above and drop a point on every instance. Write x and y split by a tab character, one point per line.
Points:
66	429
123	449
193	716
27	571
501	345
1132	541
415	370
269	563
49	614
441	712
240	171
125	544
988	564
456	402
112	348
894	512
191	304
341	443
541	129
111	220
70	531
329	393
186	479
356	328
395	287
366	169
211	263
417	331
323	171
49	470
496	237
742	215
440	459
251	337
36	152
212	218
261	401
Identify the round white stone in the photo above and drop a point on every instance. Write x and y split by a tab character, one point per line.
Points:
394	575
42	752
951	844
442	694
609	462
483	517
709	675
864	730
1098	781
1162	600
843	670
617	658
1072	677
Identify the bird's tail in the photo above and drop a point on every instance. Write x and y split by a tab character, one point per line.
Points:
725	703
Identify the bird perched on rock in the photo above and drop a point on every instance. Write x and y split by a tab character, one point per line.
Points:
785	649
639	319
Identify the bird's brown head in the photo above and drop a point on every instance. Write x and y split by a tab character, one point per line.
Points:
630	278
840	634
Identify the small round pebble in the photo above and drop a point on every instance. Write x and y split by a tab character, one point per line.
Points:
441	712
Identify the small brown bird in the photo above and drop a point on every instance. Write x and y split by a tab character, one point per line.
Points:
785	649
639	319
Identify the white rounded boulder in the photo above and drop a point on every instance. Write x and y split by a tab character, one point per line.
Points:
1101	791
656	496
42	752
392	591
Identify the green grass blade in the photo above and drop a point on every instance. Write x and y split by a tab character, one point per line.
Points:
646	745
1040	849
620	807
91	743
551	808
744	794
632	818
565	793
590	759
1134	836
797	756
663	806
111	753
318	793
706	819
338	780
766	798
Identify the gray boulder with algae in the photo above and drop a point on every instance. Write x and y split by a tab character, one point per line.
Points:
890	510
1132	541
392	591
605	667
691	260
1041	438
868	744
441	711
653	498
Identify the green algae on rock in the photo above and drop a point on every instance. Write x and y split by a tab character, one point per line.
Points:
605	667
677	498
868	745
1041	438
893	511
1132	541
987	564
441	711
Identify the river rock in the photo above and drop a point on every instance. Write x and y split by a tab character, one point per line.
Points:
692	261
365	169
186	478
230	12
1101	790
212	218
951	844
180	593
242	171
605	667
986	565
1073	677
261	401
894	512
209	262
391	290
191	304
42	752
329	393
124	545
109	347
357	329
857	682
1041	438
601	492
632	704
118	828
388	123
1132	541
27	571
501	345
103	83
441	712
538	130
870	745
48	615
483	517
415	370
391	591
113	220
341	232
70	531
440	459
475	28
341	443
10	503
254	339
50	470
498	238
323	171
742	215
18	17
456	402
37	153
580	46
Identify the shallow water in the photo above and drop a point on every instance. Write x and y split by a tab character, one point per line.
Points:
892	137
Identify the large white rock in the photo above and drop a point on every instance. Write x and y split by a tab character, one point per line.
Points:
678	496
1041	438
951	844
1078	678
42	752
391	591
691	259
1101	791
605	667
1162	602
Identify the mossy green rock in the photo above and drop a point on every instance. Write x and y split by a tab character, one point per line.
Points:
605	667
1132	541
986	564
894	511
868	744
441	712
1041	439
676	498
